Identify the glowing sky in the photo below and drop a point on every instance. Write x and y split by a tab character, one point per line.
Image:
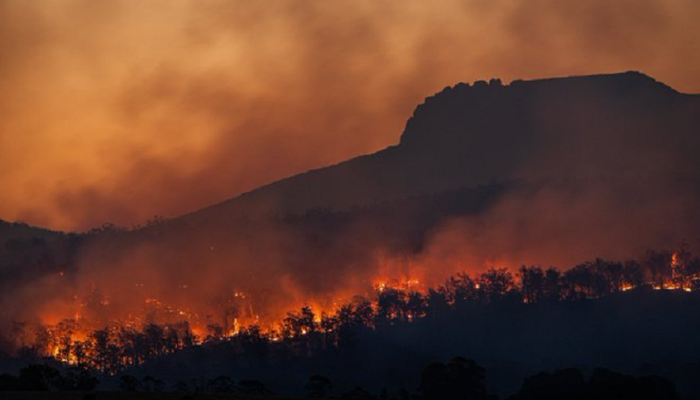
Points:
122	110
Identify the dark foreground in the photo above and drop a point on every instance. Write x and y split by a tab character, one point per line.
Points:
131	396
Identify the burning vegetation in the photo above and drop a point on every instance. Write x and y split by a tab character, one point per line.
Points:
94	338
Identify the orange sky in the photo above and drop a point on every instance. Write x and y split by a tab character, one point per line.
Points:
121	110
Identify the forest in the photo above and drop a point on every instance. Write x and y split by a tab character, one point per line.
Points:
67	357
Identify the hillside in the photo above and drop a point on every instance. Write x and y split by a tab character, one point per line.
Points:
548	172
467	135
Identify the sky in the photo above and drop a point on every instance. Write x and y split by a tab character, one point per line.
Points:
118	111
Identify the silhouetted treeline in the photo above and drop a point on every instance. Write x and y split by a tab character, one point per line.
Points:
303	332
43	377
603	384
458	379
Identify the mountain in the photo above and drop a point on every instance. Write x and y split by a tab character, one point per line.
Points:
468	135
548	172
28	253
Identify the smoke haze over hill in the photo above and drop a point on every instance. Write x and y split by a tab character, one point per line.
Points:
549	172
116	111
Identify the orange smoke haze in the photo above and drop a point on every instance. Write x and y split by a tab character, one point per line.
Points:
118	111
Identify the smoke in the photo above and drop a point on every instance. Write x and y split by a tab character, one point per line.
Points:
564	225
117	111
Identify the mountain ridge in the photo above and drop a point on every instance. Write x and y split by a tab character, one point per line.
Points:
388	174
273	199
548	173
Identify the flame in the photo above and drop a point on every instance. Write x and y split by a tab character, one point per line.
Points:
382	285
72	341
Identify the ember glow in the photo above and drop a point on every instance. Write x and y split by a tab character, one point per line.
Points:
98	336
331	184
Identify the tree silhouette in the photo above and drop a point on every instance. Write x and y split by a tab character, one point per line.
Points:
78	378
357	393
437	300
460	379
253	387
632	274
415	305
318	386
533	283
603	385
658	267
299	324
8	383
608	385
129	383
221	384
39	377
495	283
391	304
151	384
462	288
560	384
552	285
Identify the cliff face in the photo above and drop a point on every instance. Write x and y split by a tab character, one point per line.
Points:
471	116
617	126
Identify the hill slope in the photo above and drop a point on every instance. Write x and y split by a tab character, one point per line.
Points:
549	172
567	128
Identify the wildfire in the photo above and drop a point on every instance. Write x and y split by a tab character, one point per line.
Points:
406	284
169	322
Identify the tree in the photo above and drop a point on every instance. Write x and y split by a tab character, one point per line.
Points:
39	377
438	300
299	324
391	304
358	393
8	382
129	383
100	341
462	288
657	265
532	280
561	384
363	313
584	281
318	386
632	274
594	279
329	327
495	283
181	387
612	273
605	384
458	380
154	336
221	384
151	384
253	387
685	268
352	318
552	286
253	341
415	305
78	378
